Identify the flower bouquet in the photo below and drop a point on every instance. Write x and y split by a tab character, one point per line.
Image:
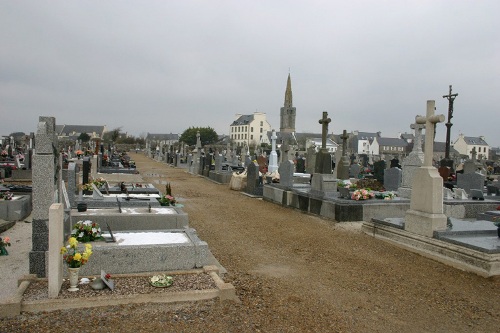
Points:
86	231
161	281
385	195
6	195
73	258
362	194
4	242
167	200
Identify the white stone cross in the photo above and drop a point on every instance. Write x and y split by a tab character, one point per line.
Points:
198	140
273	140
430	121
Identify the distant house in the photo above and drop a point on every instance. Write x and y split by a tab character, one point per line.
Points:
72	132
250	129
396	146
465	144
494	154
166	139
331	146
360	142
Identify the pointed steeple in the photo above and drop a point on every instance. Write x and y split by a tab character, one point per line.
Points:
288	93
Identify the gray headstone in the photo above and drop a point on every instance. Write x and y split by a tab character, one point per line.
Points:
392	179
469	181
354	170
286	170
254	184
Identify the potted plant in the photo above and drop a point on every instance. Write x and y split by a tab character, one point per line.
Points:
75	260
4	242
86	231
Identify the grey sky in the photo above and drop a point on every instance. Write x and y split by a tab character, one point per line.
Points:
162	66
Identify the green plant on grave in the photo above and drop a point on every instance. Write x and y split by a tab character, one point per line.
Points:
167	200
496	221
168	189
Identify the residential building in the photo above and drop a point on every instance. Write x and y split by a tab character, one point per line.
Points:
360	142
250	129
166	139
465	144
395	146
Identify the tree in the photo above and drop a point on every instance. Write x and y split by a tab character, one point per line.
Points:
207	135
84	137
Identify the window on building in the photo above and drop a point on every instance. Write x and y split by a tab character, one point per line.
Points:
245	136
251	129
251	137
261	129
261	123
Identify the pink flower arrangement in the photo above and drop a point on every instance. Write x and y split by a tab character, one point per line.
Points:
362	194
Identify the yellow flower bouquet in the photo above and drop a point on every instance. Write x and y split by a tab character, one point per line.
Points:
73	258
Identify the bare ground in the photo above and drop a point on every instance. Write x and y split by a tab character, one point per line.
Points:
293	272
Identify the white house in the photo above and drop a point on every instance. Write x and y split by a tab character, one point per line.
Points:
316	142
250	129
464	145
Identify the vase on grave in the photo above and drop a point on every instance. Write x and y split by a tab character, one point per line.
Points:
73	278
81	207
3	251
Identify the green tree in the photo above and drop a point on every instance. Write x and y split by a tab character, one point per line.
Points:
207	135
84	137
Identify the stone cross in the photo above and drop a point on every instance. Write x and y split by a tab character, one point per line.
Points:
473	152
198	140
344	138
417	142
324	132
430	121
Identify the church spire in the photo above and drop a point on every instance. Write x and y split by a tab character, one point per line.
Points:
288	93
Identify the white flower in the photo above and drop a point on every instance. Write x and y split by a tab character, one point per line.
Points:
80	235
94	230
87	222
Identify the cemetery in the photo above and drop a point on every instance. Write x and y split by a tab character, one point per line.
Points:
408	201
132	232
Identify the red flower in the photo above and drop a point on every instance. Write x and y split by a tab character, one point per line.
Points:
108	276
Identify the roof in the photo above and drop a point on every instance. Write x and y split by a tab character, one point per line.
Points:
162	137
407	136
470	140
392	142
440	147
318	142
70	129
243	120
366	135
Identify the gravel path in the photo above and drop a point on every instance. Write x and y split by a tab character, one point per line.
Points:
293	273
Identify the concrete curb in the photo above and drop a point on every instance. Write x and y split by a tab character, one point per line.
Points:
15	305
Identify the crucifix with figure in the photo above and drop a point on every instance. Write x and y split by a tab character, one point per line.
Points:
451	98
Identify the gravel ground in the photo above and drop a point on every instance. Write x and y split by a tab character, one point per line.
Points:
293	272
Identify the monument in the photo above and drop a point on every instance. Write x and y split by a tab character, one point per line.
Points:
426	206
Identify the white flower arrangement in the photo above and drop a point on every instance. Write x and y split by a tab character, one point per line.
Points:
161	280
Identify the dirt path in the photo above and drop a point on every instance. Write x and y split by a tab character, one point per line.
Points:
295	273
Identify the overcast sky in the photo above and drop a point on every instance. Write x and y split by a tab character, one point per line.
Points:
163	66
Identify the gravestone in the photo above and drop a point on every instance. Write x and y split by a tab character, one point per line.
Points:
218	162
323	163
86	170
470	181
379	170
301	165
286	170
254	181
392	179
448	194
344	163
354	171
412	162
44	191
310	159
426	206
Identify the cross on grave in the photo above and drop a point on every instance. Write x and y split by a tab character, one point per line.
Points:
344	138
430	121
198	140
417	141
324	131
451	97
474	154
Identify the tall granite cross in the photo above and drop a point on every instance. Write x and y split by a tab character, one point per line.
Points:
430	121
198	140
344	138
324	131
